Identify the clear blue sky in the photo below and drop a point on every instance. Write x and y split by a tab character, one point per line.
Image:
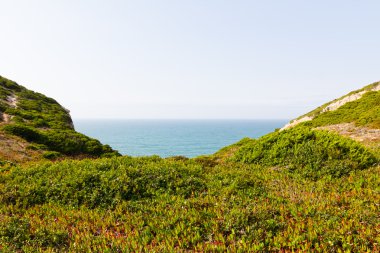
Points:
190	58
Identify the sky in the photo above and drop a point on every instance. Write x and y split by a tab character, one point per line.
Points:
190	59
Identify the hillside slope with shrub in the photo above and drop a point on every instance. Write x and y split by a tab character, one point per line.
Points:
303	189
360	107
310	153
33	126
355	116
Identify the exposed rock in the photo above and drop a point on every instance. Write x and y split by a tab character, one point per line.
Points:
6	118
333	106
296	122
12	101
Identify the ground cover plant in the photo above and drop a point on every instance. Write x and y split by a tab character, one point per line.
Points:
158	205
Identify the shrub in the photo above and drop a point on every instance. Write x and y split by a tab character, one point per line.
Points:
309	152
3	107
35	146
28	133
101	183
52	155
67	142
9	84
70	142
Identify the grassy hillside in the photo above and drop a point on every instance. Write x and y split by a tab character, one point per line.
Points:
31	108
363	112
299	190
45	127
320	110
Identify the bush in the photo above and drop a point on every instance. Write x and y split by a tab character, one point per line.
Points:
3	107
70	142
101	183
67	142
310	153
52	155
35	146
10	85
28	133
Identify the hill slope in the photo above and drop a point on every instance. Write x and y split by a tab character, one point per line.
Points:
355	116
361	107
302	189
34	126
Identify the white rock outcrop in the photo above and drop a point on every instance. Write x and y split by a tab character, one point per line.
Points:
333	106
12	101
296	122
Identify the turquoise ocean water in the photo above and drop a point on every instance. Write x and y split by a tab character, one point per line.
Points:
173	137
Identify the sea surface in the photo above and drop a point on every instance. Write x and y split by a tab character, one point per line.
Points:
166	138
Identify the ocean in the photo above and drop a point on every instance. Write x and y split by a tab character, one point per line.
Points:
166	138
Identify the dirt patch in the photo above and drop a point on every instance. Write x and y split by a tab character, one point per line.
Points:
362	134
15	149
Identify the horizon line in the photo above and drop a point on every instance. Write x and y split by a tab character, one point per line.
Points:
79	118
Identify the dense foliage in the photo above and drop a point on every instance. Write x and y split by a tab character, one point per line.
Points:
167	205
308	152
33	109
41	120
299	190
103	183
67	142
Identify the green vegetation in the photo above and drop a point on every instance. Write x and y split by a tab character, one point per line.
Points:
165	205
103	183
33	109
319	109
311	153
41	120
363	112
67	142
298	190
